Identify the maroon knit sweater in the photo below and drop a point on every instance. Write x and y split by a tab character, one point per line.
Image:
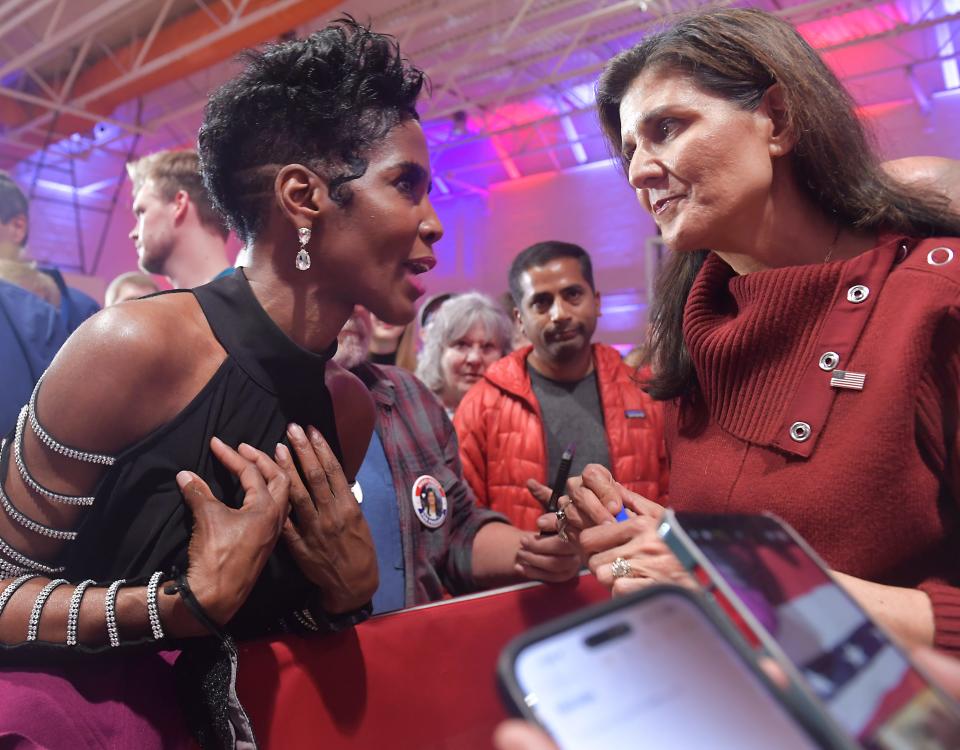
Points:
875	487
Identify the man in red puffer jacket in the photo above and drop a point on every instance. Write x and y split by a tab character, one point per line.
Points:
514	425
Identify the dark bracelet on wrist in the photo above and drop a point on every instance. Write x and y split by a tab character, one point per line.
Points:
182	587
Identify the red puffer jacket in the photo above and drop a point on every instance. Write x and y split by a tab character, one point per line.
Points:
502	442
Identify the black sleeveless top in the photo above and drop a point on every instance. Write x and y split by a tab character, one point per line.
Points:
139	522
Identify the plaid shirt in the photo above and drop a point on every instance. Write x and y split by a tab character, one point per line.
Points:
418	438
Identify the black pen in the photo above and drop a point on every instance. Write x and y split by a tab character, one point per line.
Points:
560	483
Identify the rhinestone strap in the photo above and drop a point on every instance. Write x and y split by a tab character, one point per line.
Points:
306	619
57	447
11	589
29	523
110	612
29	564
153	610
34	625
28	479
73	615
8	570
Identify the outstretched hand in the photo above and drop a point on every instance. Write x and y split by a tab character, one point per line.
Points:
548	558
598	498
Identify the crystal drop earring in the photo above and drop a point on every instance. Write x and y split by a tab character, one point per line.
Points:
303	257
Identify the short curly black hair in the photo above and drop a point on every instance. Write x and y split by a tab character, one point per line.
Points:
323	102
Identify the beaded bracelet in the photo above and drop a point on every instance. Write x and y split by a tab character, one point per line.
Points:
21	559
12	587
110	612
73	614
33	626
153	610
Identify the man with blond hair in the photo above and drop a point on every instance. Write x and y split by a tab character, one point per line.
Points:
178	233
130	285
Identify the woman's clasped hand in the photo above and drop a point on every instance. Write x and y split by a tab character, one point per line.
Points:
319	520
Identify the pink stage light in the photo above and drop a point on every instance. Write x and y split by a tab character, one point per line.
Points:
853	25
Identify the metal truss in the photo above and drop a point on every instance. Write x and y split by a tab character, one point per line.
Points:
481	53
545	48
70	66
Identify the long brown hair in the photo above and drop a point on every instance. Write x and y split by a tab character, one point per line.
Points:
738	54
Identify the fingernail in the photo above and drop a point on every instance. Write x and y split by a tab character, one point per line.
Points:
314	433
295	431
184	478
282	453
216	440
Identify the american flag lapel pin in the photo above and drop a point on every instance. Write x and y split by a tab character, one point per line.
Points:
847	379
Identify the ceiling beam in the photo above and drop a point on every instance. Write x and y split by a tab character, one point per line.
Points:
77	112
23	16
188	44
87	23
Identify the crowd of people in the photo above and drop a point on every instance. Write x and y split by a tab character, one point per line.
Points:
294	443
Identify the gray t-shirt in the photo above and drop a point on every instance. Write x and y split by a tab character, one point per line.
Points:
571	414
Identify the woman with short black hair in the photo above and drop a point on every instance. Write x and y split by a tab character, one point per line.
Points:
315	155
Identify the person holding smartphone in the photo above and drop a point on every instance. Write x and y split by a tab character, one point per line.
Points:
805	336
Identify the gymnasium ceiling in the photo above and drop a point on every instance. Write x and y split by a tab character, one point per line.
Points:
86	84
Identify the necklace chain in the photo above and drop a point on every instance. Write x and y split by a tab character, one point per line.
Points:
833	245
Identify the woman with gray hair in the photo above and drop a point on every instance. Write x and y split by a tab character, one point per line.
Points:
467	335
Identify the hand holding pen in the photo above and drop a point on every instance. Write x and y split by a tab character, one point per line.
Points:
559	484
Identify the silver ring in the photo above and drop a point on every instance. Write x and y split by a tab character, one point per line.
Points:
620	568
562	524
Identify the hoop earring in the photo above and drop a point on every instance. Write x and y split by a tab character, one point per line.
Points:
303	257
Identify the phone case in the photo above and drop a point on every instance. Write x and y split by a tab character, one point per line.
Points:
804	713
724	598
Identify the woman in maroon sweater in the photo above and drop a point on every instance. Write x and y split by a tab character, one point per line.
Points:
738	138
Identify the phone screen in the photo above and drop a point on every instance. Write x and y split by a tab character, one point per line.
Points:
866	682
653	674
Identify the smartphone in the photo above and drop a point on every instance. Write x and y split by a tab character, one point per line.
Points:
775	586
656	669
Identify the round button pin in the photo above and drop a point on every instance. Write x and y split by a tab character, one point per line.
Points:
429	501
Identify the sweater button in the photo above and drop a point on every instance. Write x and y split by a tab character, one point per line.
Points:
829	360
857	294
800	432
940	256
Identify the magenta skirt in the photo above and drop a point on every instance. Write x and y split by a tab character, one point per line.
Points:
109	702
